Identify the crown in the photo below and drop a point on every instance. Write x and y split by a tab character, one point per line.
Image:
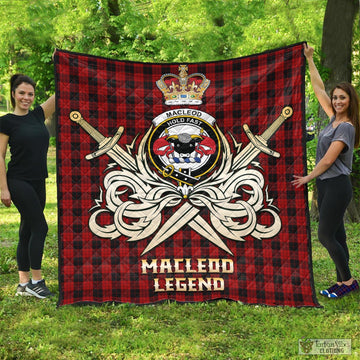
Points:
183	88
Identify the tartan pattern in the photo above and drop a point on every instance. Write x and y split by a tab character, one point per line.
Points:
343	290
111	93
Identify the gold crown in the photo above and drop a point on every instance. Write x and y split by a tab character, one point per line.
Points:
183	88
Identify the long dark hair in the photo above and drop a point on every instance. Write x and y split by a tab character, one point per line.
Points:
353	110
15	81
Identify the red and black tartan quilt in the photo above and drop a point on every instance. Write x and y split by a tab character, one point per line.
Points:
174	180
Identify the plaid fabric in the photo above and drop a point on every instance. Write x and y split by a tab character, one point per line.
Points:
343	290
111	212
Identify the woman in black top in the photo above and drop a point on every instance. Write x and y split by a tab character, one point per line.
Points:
24	182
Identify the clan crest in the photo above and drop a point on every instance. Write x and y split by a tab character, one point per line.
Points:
184	145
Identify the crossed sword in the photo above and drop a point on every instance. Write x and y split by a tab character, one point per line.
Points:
186	214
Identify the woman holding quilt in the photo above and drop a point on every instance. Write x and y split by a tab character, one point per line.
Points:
333	166
23	184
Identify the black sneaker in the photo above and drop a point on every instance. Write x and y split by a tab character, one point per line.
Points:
20	291
39	290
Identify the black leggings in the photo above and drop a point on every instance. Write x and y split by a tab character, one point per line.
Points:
29	198
334	195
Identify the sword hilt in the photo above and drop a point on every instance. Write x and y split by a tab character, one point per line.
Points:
96	135
260	141
106	145
286	112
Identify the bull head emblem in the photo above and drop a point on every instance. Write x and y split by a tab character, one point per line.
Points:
184	147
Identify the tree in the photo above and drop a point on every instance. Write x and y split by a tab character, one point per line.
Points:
284	22
157	31
26	42
337	40
144	30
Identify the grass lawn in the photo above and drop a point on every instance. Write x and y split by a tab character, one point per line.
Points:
36	329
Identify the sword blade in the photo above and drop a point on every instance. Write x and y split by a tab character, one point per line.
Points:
77	118
106	145
122	158
258	143
245	156
180	218
200	225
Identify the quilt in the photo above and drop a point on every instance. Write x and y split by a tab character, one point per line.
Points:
174	180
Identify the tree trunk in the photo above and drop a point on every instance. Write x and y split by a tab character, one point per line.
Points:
337	40
114	10
314	211
336	56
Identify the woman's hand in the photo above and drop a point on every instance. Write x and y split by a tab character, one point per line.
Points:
308	51
300	180
6	198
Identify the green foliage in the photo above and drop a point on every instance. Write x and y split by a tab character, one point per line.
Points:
155	31
142	30
356	55
310	158
26	41
7	259
52	141
283	23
